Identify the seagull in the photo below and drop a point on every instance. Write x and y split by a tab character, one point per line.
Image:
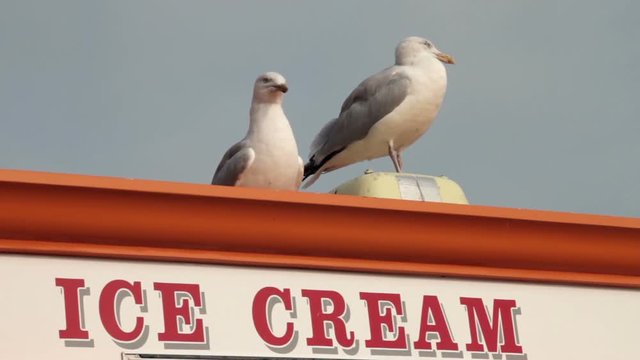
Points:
386	113
267	157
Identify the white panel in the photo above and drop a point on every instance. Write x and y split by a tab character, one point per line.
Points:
554	322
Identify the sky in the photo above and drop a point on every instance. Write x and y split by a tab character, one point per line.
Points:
542	109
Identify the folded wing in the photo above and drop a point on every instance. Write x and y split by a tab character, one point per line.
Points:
233	164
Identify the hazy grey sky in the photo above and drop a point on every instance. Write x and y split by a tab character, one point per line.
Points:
542	110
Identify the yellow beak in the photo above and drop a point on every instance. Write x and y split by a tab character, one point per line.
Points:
448	59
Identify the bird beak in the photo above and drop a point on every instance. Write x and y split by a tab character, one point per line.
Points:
445	58
281	87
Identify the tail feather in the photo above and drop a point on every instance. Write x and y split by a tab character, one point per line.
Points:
310	168
315	169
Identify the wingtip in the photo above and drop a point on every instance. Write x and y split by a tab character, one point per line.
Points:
311	169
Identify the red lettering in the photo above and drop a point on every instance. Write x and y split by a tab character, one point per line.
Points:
376	304
71	291
431	306
261	318
335	317
172	311
502	319
108	309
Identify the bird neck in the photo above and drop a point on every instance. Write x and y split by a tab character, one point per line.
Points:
264	97
420	58
428	67
265	114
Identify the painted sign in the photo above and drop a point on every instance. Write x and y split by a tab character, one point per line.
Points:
79	308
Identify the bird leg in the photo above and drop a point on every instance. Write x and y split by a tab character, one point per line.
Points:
395	157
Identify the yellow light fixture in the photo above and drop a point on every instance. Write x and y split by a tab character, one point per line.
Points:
404	186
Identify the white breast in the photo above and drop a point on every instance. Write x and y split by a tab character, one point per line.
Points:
276	163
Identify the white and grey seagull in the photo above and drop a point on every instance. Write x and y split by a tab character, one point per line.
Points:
386	113
267	157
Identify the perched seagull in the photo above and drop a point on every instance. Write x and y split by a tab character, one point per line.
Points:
267	157
386	113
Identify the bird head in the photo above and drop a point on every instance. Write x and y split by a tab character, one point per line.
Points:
270	87
413	48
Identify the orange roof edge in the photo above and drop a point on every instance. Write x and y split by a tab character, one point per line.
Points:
79	215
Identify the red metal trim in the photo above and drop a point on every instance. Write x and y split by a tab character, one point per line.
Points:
56	214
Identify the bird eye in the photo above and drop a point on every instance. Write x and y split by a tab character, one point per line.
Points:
428	44
265	80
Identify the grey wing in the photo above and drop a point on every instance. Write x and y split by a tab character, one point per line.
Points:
233	163
368	103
